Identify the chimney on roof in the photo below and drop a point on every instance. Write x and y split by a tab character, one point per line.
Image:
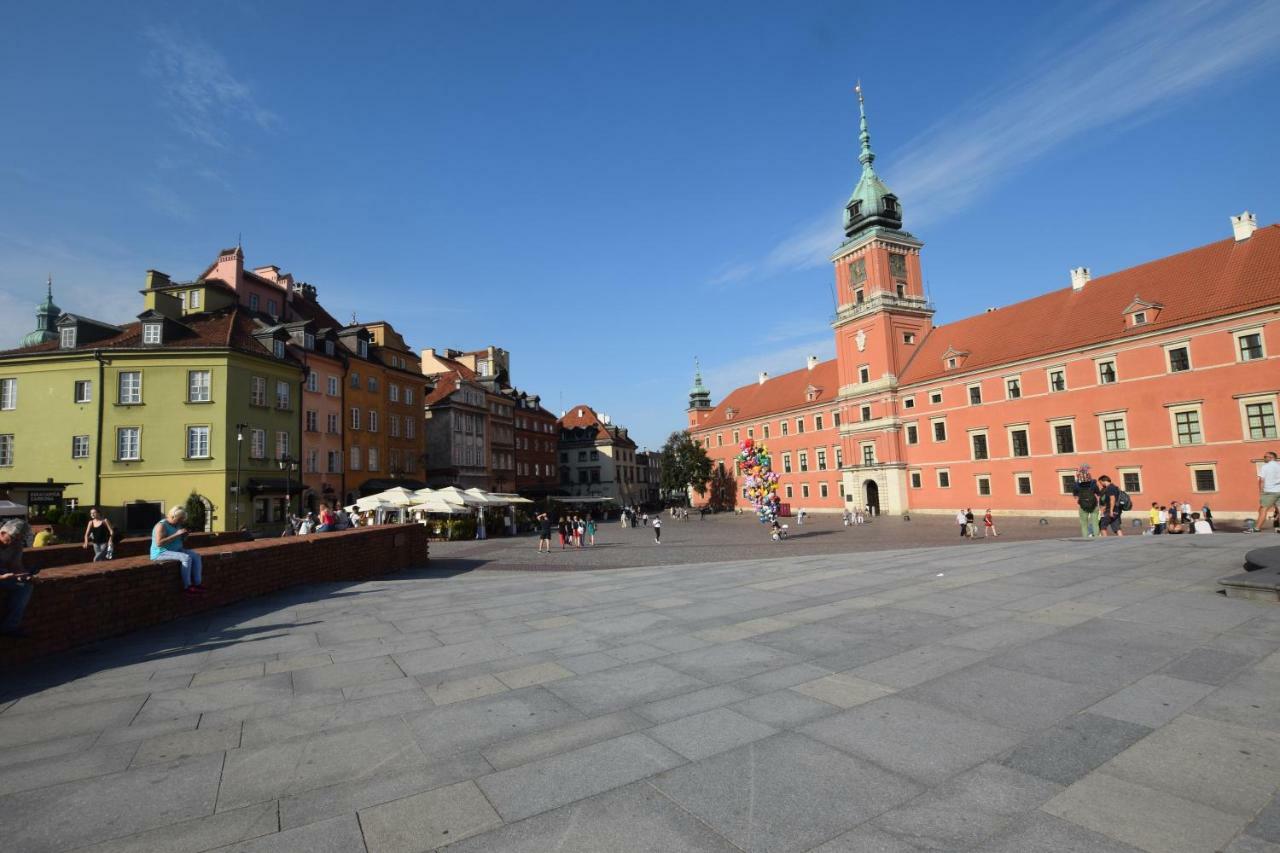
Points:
1079	278
764	377
1244	225
812	362
155	279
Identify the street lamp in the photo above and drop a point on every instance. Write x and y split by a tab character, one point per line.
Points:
235	487
287	464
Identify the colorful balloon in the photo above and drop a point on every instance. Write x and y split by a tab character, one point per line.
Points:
760	481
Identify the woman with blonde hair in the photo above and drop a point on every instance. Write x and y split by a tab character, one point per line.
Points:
167	539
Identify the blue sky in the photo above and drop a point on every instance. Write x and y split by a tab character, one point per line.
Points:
609	189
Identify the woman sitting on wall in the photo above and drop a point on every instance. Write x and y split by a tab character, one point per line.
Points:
167	538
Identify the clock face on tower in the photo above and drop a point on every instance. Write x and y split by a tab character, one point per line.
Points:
898	266
858	271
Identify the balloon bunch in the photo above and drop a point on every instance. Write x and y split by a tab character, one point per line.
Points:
761	480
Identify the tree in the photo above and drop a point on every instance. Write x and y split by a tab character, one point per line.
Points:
195	512
685	464
724	490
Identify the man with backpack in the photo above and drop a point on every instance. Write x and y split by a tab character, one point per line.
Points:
1114	504
1086	492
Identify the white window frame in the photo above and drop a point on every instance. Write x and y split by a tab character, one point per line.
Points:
864	374
87	385
131	399
79	447
1193	467
968	393
152	334
373	421
362	348
283	444
355	417
257	391
1253	400
1130	469
1048	376
193	299
393	392
8	393
786	463
6	450
1103	417
1115	369
802	461
935	393
1009	430
909	402
354	461
1178	408
135	448
1031	484
1053	436
372	459
863	447
1168	350
194	434
938	474
1017	377
257	444
933	430
1063	475
332	387
199	392
823	490
283	395
313	382
978	479
915	479
982	431
410	429
1262	341
277	347
906	432
67	337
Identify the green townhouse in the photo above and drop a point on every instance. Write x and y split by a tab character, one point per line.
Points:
199	395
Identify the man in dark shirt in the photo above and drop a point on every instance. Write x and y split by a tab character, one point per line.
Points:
1109	498
13	578
544	532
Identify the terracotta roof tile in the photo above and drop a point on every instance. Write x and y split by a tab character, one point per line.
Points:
1210	281
777	394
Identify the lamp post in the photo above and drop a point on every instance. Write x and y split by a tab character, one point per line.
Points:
287	464
240	428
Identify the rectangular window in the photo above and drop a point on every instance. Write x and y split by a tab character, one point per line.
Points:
272	307
979	445
79	447
408	396
6	450
984	486
199	386
975	395
799	426
804	461
765	430
916	480
313	461
1206	479
908	402
354	381
409	430
935	397
1068	483
1261	419
373	386
151	333
868	454
373	421
8	394
1057	380
194	299
282	394
332	388
128	444
282	444
822	460
278	348
1187	423
1024	484
913	434
907	337
1132	481
865	413
864	375
334	462
1106	372
198	442
1064	440
839	457
1012	388
804	490
1179	359
939	430
737	437
944	479
83	391
67	337
1018	443
393	426
822	490
1113	434
1250	346
130	388
313	381
311	421
785	427
789	494
835	418
355	459
373	459
258	391
393	392
817	422
257	444
331	423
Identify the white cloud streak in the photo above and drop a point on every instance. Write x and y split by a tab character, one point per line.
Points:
201	94
723	378
1128	72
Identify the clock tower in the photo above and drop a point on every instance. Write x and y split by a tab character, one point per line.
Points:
881	319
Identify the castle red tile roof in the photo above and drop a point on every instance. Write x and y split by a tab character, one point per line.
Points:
1211	281
777	394
584	417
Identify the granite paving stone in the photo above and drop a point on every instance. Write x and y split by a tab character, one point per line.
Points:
1152	701
693	702
784	709
481	722
336	835
530	747
623	686
867	839
983	691
427	820
552	782
1038	832
710	732
1208	666
350	674
198	834
97	761
176	745
784	793
1068	751
24	729
917	665
1266	825
843	690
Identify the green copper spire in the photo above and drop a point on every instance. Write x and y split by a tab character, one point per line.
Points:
872	204
47	315
699	394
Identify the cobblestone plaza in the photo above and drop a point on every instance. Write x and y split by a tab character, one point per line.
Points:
828	693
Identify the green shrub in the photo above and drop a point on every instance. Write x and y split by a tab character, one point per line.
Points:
195	512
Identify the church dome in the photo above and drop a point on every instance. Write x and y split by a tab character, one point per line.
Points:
872	203
47	315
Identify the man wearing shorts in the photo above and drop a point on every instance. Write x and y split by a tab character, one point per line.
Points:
1269	487
1109	496
544	532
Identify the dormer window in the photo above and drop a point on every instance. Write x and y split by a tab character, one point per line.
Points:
151	333
1139	318
855	209
890	205
951	362
309	341
362	349
67	337
193	300
279	348
328	347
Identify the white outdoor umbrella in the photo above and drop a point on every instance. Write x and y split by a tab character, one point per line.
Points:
454	495
438	506
488	498
398	496
373	502
508	498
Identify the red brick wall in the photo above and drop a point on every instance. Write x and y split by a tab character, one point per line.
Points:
69	554
74	605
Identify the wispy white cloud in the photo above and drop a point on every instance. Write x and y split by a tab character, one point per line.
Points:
204	98
724	377
1127	72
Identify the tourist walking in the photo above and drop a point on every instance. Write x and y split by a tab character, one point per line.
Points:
591	528
988	526
1268	489
1086	494
580	530
167	539
970	528
13	577
98	535
657	530
544	532
964	525
1112	506
563	528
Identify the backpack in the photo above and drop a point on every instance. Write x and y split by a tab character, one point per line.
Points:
1088	500
1123	502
